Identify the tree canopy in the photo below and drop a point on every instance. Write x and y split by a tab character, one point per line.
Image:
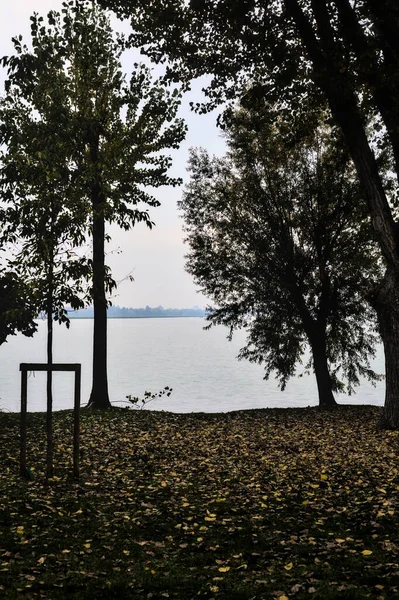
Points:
340	51
280	242
110	132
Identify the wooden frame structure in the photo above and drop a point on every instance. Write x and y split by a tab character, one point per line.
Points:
24	368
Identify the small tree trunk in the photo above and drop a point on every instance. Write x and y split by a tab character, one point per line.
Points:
99	397
386	302
49	414
323	378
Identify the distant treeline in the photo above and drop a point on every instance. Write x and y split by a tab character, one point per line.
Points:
118	312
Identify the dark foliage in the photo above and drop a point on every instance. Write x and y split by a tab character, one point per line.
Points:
17	310
281	243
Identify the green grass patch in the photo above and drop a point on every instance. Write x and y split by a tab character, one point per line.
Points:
275	503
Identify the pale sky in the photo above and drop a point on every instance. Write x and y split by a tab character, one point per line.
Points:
156	257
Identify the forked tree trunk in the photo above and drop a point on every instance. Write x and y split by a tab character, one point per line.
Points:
387	305
99	397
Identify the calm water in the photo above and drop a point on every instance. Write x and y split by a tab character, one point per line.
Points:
148	354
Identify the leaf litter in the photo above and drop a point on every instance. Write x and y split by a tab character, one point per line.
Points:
274	503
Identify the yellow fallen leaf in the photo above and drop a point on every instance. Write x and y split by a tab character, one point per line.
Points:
214	588
41	560
283	597
367	552
288	567
224	569
20	530
86	545
323	476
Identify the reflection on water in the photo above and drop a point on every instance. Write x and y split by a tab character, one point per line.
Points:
148	354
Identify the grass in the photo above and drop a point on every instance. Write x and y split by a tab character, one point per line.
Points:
275	503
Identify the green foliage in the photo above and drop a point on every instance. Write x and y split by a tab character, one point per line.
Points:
280	241
72	125
41	219
297	53
90	144
292	53
296	503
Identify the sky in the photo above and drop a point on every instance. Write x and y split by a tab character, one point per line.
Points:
155	258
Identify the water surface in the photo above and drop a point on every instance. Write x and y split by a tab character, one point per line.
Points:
148	354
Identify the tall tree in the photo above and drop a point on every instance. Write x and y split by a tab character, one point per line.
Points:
345	51
39	217
280	242
117	132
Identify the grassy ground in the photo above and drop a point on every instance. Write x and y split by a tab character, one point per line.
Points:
294	503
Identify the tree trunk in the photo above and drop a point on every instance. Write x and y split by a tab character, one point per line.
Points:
49	413
99	397
338	88
341	96
323	378
386	301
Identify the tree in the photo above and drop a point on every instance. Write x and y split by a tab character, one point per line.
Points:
117	133
39	217
17	311
279	241
347	52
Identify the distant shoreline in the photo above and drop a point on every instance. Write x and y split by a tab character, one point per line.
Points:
158	312
142	317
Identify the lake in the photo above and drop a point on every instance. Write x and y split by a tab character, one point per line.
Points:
149	354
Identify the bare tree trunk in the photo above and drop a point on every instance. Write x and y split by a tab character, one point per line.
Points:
49	414
99	397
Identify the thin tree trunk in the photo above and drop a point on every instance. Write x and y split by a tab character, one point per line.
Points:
322	373
99	397
49	415
386	301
